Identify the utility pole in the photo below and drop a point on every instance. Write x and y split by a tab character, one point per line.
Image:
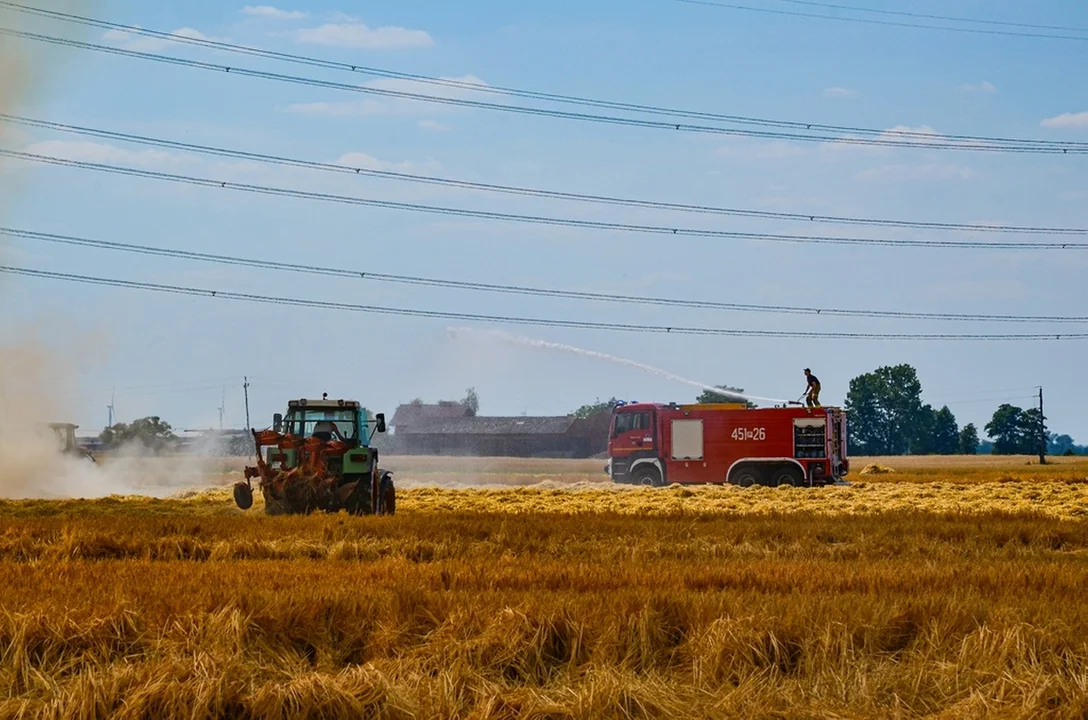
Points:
1042	430
245	389
222	404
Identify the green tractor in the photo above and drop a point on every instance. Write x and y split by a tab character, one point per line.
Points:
318	458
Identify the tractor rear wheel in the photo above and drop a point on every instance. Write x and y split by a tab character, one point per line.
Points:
387	495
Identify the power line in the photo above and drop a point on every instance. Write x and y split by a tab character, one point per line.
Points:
522	290
542	322
808	132
480	87
926	16
532	219
982	401
149	393
529	192
889	23
968	395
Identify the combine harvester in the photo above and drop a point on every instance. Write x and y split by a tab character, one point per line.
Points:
65	434
319	457
655	444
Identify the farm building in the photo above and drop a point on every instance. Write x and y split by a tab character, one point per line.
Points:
450	429
216	443
419	414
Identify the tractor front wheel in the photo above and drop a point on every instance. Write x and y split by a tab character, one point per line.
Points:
243	495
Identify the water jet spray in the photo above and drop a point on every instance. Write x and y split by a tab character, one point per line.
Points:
456	333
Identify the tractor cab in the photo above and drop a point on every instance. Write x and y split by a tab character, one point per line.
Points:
343	421
65	434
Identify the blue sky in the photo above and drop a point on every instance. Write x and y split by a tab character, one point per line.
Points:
647	51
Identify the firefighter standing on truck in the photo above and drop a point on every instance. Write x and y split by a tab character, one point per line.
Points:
812	394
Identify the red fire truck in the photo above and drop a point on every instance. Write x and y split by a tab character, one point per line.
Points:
655	444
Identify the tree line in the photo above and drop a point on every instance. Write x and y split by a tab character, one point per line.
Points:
151	434
887	417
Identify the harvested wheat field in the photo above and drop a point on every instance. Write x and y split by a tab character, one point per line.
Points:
943	589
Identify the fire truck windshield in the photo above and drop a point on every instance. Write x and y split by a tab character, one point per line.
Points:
626	422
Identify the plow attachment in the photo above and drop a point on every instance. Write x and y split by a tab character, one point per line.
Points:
302	476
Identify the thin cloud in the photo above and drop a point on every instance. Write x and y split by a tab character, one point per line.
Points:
369	162
1067	120
433	126
922	134
761	150
350	33
894	173
985	87
267	11
219	169
94	152
840	93
142	43
898	130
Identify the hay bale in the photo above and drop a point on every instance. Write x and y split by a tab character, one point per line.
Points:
877	469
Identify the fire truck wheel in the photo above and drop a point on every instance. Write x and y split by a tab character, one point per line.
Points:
647	475
787	475
746	476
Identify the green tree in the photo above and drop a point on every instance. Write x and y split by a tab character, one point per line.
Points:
1004	429
594	408
969	440
885	409
150	432
1060	443
946	432
731	395
923	441
1033	432
471	402
1016	431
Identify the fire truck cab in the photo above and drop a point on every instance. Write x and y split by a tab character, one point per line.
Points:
656	444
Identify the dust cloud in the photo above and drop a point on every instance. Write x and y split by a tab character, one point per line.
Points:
38	377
